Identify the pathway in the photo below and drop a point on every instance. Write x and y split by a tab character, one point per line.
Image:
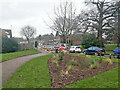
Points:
11	66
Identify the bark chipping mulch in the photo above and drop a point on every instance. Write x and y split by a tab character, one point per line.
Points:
78	72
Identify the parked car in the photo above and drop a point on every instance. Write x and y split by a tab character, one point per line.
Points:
117	50
94	50
75	49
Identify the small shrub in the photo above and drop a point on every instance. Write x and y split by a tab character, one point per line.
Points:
92	59
64	72
93	62
101	59
54	57
57	56
60	56
94	65
84	64
108	61
65	60
62	53
55	62
69	68
73	63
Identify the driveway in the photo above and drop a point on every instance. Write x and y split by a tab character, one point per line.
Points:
8	68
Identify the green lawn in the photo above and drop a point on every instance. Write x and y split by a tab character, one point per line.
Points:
109	48
8	56
107	79
108	52
97	58
33	74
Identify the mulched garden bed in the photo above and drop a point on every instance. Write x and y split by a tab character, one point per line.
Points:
78	72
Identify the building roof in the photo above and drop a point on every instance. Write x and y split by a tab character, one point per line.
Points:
6	32
2	33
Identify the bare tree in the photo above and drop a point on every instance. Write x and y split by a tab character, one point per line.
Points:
117	22
64	21
84	22
28	32
98	17
114	32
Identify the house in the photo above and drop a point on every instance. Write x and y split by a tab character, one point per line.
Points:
6	33
77	37
2	33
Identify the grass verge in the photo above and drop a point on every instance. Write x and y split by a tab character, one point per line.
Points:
33	74
109	48
107	79
97	57
8	56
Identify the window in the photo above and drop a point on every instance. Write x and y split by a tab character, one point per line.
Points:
72	47
91	48
95	48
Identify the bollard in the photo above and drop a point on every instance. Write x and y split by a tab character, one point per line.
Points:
84	53
110	56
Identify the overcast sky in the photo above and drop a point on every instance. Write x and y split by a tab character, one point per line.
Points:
17	13
14	14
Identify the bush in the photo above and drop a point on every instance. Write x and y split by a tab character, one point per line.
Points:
61	56
84	64
90	40
108	61
73	63
69	68
94	64
55	62
9	45
64	72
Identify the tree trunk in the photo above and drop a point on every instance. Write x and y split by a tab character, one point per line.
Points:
100	25
118	26
100	38
66	42
28	40
64	38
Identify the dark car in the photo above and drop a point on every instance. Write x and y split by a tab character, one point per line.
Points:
94	50
117	50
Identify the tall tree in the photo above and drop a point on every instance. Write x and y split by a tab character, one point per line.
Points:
117	22
64	22
114	33
28	32
99	20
